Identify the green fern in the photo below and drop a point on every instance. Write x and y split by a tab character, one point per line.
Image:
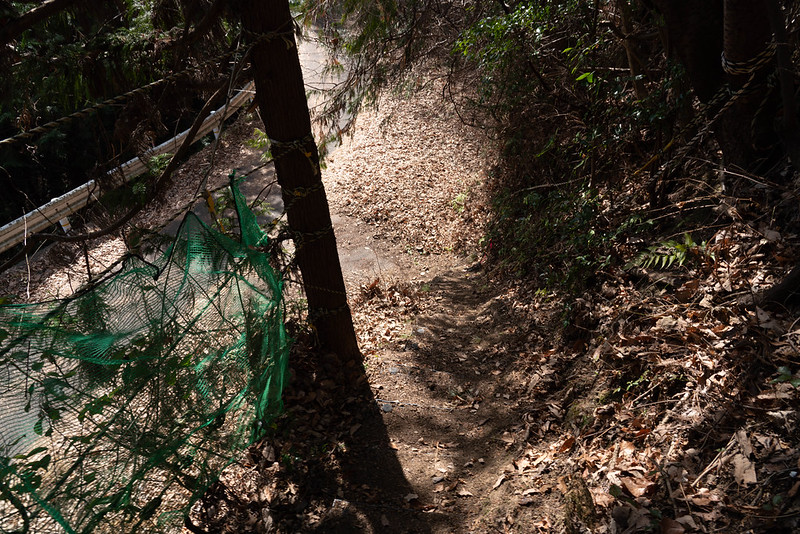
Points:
670	253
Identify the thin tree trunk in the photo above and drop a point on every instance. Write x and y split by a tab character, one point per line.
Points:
631	49
783	58
698	32
694	30
281	98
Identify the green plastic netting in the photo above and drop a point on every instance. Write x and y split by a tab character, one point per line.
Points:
121	405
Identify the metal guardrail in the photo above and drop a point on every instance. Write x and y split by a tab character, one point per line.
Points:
51	213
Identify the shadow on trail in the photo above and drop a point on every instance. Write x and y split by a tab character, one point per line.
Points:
448	401
463	360
338	471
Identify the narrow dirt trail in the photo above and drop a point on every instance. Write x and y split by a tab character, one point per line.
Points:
433	448
438	336
439	448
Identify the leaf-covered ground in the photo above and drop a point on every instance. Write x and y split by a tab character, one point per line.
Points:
661	400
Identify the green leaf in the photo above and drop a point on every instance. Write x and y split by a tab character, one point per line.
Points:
150	508
35	451
32	481
38	426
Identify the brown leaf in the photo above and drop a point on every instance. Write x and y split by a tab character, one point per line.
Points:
638	487
602	497
687	521
567	445
744	443
522	464
744	471
687	290
626	448
539	488
463	492
670	526
701	500
793	491
499	481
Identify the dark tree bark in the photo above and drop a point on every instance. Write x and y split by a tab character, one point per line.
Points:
694	32
783	58
747	131
631	49
281	98
699	31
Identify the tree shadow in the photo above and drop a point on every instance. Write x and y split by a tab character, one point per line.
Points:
363	483
464	361
326	466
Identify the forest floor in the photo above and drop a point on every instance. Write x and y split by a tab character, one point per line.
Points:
649	404
653	405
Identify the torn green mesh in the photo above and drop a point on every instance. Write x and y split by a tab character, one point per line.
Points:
121	405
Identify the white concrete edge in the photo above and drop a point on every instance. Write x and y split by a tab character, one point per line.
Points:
49	214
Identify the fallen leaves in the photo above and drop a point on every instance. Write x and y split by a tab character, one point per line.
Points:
744	471
670	526
566	445
640	486
392	170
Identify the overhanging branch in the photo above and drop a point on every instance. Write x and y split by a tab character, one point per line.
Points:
15	27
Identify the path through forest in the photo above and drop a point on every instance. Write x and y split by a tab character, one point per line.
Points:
436	450
488	407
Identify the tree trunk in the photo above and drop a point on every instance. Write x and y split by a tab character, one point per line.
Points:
783	58
747	133
281	98
631	49
14	28
698	32
694	31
